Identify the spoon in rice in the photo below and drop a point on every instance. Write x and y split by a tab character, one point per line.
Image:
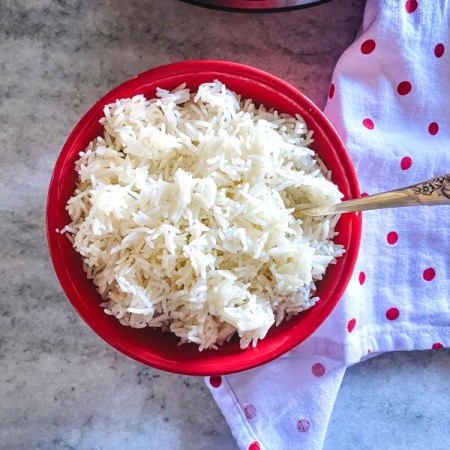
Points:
432	192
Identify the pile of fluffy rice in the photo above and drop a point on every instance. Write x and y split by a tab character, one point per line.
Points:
183	215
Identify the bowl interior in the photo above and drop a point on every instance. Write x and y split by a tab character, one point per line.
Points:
153	347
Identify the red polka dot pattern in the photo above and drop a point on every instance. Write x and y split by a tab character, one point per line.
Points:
362	278
215	381
411	6
351	325
318	370
368	123
303	425
368	46
254	446
404	88
392	237
405	163
250	411
392	314
437	346
429	274
332	90
433	128
439	50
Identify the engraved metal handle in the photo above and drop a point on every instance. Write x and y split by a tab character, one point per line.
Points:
432	192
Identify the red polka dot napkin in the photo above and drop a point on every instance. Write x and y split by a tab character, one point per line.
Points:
389	101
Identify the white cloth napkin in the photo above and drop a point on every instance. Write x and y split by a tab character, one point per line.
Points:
389	101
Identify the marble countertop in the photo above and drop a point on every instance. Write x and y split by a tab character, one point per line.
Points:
60	385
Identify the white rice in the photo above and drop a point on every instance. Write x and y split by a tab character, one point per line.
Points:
183	215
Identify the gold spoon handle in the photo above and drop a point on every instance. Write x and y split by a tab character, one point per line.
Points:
432	192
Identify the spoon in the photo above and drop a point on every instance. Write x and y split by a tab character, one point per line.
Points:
432	192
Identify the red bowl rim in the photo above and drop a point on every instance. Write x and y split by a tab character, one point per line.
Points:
188	368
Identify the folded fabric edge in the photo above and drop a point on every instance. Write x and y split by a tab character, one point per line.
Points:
232	411
361	344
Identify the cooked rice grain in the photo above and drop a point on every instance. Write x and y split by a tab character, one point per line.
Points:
183	215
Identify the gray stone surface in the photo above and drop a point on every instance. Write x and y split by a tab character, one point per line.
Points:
397	401
61	386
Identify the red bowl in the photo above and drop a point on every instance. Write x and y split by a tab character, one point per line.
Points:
152	346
